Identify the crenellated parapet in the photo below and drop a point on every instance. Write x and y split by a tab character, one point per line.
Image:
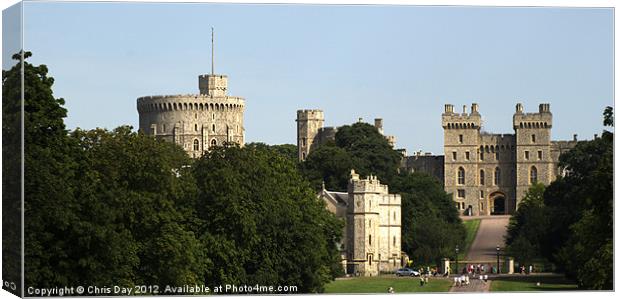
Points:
163	103
452	120
542	119
196	122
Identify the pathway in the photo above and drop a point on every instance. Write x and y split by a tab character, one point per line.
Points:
475	285
490	234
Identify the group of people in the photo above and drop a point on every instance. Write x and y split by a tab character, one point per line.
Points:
475	269
530	269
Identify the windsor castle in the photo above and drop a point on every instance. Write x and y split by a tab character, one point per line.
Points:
487	174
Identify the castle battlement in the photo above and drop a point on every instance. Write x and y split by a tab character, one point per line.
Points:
452	120
310	114
195	122
541	119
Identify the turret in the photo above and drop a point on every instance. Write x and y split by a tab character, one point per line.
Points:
533	148
309	123
213	85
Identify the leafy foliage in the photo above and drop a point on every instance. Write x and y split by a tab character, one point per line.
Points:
255	200
431	227
573	225
122	208
526	230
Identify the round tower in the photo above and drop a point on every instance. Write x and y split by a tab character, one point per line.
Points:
195	122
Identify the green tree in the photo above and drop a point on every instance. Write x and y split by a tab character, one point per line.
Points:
370	151
328	164
49	173
137	222
431	226
526	229
573	226
255	201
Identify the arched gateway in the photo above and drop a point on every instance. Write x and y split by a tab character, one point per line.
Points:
497	203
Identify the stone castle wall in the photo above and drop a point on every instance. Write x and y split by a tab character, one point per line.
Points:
372	236
195	122
491	173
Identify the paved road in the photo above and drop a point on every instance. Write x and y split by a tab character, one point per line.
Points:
490	234
475	285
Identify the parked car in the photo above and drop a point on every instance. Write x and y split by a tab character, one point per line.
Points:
407	272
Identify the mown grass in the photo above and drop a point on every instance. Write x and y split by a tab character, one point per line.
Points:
529	284
380	284
471	229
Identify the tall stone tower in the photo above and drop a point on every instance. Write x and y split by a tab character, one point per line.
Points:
196	122
373	227
461	143
309	123
534	161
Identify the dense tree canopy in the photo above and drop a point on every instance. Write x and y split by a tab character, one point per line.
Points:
573	224
121	208
526	230
431	227
254	200
431	224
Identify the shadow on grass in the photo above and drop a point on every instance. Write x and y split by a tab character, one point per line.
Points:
550	282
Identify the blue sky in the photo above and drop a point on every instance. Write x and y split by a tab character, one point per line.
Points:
401	63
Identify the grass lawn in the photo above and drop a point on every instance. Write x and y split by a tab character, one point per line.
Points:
382	283
471	228
528	283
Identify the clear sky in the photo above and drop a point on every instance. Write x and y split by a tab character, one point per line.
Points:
401	63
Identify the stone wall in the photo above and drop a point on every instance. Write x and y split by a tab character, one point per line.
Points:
195	122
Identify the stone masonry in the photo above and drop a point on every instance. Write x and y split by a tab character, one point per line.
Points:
489	174
195	122
372	234
311	133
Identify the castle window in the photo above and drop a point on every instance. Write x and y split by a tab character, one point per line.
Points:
394	215
460	193
195	127
393	240
533	175
213	142
481	155
481	194
369	239
496	155
527	155
213	116
533	138
195	115
303	156
213	128
498	174
303	142
164	128
539	155
460	174
467	156
453	156
196	145
460	138
482	177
